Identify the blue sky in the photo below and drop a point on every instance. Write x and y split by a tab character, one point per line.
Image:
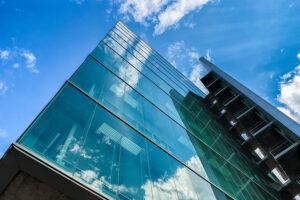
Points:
43	42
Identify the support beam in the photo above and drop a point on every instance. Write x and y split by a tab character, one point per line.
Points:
212	82
220	91
232	100
263	128
245	113
286	150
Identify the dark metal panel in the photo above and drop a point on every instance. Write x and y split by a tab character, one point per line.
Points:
8	168
263	105
18	159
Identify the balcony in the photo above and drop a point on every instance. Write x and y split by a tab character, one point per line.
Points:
282	148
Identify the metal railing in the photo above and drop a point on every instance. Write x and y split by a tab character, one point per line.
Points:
256	127
279	148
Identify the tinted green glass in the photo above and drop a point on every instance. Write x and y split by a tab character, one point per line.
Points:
158	60
128	104
61	125
130	126
144	116
153	72
136	80
105	154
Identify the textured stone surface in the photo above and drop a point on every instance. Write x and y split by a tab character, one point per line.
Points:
25	187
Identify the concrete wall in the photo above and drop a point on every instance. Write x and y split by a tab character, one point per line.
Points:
25	187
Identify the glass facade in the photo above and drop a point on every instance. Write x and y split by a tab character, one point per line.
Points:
128	125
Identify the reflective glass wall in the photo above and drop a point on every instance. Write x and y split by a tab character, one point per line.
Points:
130	126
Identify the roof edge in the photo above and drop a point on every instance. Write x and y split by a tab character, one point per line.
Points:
262	104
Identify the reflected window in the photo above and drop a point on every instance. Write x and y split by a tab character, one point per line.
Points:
245	136
259	153
280	175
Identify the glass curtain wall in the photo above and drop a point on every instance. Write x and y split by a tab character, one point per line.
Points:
129	126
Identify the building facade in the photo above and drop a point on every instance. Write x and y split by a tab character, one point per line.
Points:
267	137
128	125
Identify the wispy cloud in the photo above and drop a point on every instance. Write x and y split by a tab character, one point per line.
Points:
178	54
4	54
175	52
163	14
298	55
78	2
208	55
30	60
3	87
142	10
17	57
190	24
16	65
3	133
289	113
196	75
175	12
289	95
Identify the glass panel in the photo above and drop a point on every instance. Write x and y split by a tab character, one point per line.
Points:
117	158
158	60
162	180
136	80
107	155
99	150
61	129
157	76
142	115
203	189
131	106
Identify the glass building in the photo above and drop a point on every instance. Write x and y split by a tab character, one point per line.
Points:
128	125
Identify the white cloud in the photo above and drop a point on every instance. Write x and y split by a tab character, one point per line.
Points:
161	13
168	185
16	65
127	72
3	87
176	51
298	56
180	183
3	133
30	60
197	73
142	10
207	55
193	54
78	2
289	94
95	181
186	185
289	113
190	24
76	149
20	57
178	54
88	175
4	54
175	12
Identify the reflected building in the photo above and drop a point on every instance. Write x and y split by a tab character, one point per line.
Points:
128	125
